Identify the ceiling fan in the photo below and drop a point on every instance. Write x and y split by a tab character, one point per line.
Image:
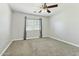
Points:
45	8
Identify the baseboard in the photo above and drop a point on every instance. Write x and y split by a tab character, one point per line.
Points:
6	47
27	38
64	41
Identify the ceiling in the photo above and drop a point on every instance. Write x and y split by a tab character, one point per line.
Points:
31	7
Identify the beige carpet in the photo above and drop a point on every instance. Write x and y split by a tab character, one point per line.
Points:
41	47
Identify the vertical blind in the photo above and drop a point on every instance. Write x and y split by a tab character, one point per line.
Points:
32	24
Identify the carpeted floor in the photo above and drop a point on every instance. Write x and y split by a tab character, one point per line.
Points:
41	47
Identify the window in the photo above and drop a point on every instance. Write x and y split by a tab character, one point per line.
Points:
32	24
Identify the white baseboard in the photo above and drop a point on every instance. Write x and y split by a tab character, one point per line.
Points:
6	47
27	38
64	41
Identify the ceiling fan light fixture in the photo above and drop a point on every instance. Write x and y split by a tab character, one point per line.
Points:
45	9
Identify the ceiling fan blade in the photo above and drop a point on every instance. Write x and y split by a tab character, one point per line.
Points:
48	11
52	6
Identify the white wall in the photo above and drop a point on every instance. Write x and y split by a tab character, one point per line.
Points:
18	25
5	17
65	24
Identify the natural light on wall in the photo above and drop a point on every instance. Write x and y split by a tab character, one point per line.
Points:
58	26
